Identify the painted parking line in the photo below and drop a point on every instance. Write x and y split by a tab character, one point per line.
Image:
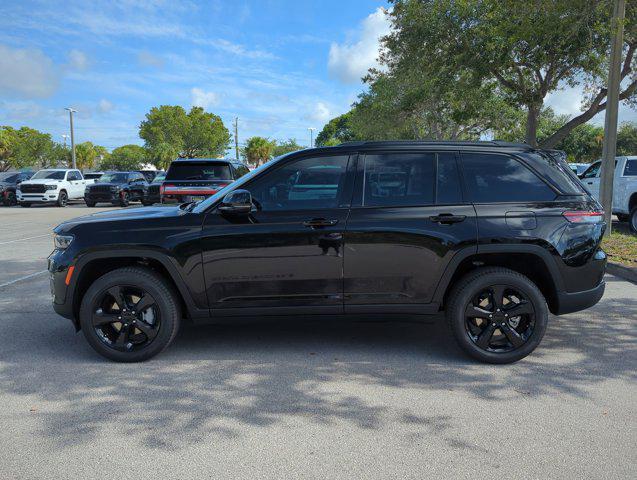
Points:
28	238
22	278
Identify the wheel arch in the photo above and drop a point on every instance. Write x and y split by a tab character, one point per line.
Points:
533	261
632	202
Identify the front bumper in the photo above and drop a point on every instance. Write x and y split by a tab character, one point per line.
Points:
61	299
109	197
574	302
46	197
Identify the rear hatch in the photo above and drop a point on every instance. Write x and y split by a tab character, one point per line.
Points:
191	180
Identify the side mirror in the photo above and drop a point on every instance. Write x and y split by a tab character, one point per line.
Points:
237	202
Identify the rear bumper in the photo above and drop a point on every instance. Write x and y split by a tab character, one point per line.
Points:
574	302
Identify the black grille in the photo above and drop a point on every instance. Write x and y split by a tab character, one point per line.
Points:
32	188
153	190
100	189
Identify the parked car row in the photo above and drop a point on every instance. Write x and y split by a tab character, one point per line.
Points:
187	180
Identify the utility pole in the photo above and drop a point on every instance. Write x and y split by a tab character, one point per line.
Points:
236	137
71	112
64	136
610	120
311	129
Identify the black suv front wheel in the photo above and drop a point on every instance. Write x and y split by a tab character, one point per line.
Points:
130	314
497	315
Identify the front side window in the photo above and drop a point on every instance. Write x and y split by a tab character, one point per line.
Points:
73	176
592	171
500	178
630	170
308	183
399	179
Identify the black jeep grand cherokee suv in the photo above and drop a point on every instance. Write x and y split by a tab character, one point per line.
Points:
497	235
117	188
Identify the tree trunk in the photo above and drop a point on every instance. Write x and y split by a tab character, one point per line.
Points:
532	120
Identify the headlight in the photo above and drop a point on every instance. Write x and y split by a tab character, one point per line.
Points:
1	188
51	187
62	242
114	188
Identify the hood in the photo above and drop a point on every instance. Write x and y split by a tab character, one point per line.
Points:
41	181
125	214
105	184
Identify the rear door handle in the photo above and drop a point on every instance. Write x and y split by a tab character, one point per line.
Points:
319	222
447	218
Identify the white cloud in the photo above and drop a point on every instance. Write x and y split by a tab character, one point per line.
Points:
201	98
149	59
567	101
27	73
349	61
78	60
320	114
104	106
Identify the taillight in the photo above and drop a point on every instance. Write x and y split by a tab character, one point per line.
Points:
583	216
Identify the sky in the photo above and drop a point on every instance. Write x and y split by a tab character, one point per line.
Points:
281	66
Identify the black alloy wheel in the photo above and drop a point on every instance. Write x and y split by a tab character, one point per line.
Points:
10	199
63	199
126	318
497	315
130	314
632	221
123	199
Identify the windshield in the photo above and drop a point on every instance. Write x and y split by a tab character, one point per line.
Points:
49	175
113	178
160	178
194	171
8	177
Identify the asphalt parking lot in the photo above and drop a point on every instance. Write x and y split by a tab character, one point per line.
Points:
306	400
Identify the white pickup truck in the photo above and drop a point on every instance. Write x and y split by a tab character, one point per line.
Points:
624	187
52	185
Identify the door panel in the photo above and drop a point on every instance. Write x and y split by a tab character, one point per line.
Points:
395	249
288	253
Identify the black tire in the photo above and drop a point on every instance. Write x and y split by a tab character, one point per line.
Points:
632	220
622	217
504	343
25	204
63	199
124	199
135	347
89	204
10	200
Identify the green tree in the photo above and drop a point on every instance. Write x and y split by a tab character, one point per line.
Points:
627	139
24	147
287	146
7	145
338	129
124	158
85	155
193	134
258	150
162	154
526	50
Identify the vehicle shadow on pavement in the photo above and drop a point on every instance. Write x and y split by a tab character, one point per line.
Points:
221	380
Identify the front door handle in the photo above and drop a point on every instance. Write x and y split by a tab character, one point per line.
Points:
590	183
319	222
447	218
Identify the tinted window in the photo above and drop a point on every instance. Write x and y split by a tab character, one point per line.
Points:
592	171
241	170
8	177
113	178
199	171
399	179
499	178
630	170
73	176
448	189
307	183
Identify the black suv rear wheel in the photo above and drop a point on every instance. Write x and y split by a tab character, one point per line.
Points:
497	315
130	314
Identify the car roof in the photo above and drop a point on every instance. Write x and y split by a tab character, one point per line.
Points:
492	144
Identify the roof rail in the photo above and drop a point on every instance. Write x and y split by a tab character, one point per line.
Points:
484	143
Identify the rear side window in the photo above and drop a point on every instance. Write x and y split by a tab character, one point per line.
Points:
630	170
198	171
500	178
399	179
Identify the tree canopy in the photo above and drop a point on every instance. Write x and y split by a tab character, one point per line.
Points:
448	66
281	148
124	158
337	130
258	150
25	147
193	134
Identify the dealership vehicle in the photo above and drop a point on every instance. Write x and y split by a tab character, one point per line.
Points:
92	175
624	188
579	168
496	234
194	179
152	193
8	185
117	188
52	185
149	175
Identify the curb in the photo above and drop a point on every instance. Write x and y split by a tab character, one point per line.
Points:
627	273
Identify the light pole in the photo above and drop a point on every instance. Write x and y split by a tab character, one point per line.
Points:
65	137
311	129
71	112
